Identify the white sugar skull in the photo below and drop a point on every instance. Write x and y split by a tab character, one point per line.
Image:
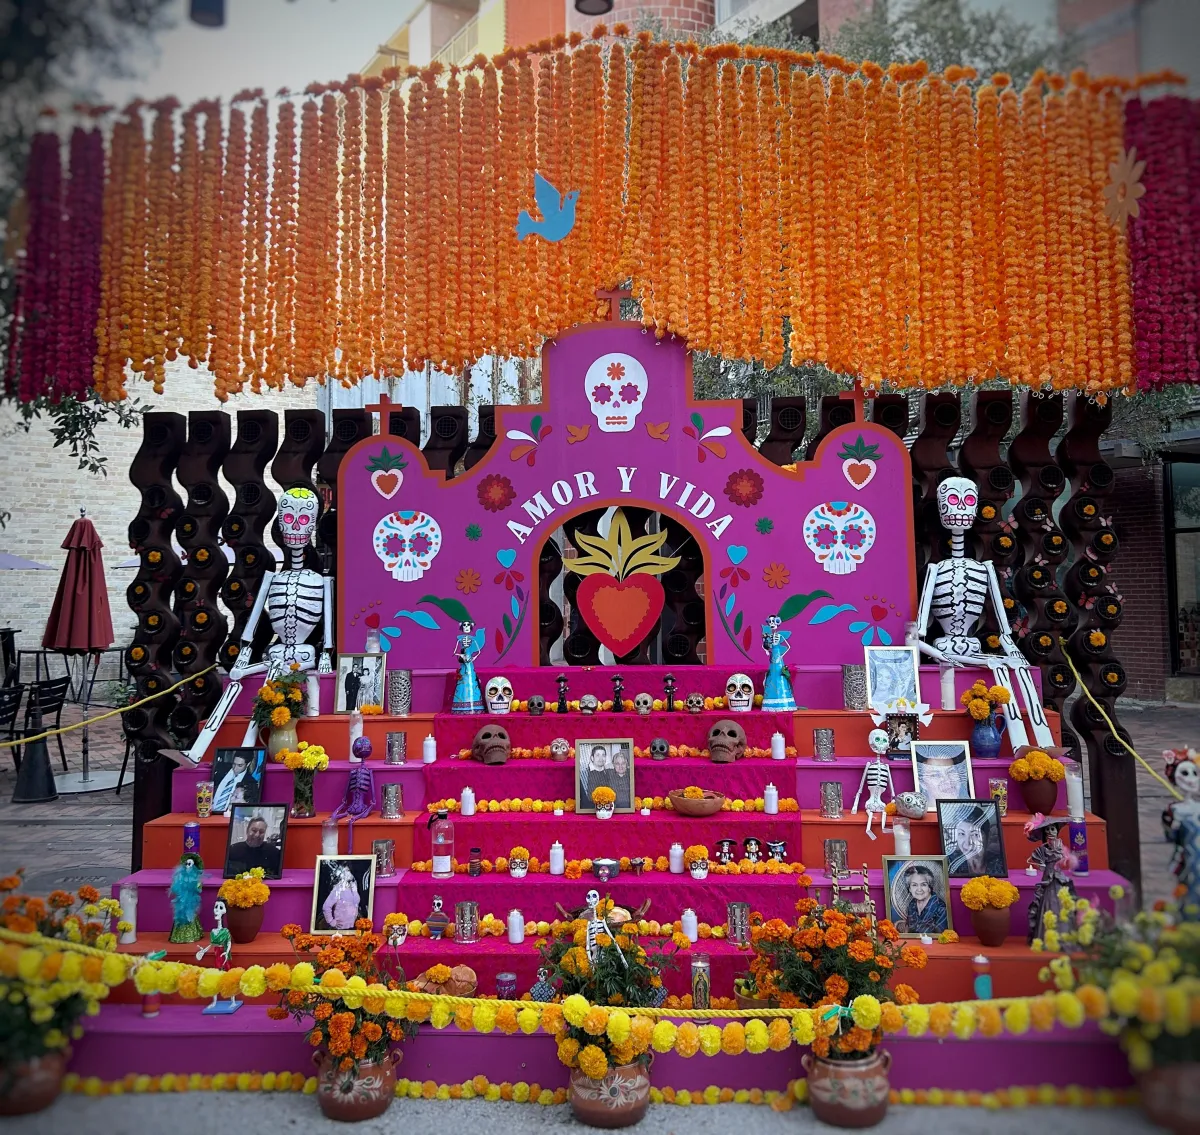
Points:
643	703
592	900
499	695
1183	771
958	501
877	741
616	386
406	543
297	515
739	692
839	534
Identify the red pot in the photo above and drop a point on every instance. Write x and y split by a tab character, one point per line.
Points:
1039	795
1170	1097
244	922
848	1093
361	1093
34	1085
990	925
621	1099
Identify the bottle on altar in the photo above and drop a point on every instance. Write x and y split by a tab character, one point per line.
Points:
441	837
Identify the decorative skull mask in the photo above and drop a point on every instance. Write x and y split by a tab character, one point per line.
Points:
499	695
1183	771
406	543
643	703
694	703
616	386
537	705
491	745
297	515
957	501
839	534
739	692
589	704
659	749
911	805
560	749
726	742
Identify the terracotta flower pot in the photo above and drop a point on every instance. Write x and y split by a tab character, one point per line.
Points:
1169	1097
1039	795
848	1093
362	1093
35	1084
990	925
744	1002
244	922
619	1100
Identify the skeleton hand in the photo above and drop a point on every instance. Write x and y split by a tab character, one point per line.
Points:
324	666
244	661
1012	652
935	654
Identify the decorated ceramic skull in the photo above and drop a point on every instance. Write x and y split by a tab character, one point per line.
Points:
297	515
739	692
878	741
560	749
499	695
491	745
589	704
659	749
958	501
726	742
698	868
1183	771
910	804
616	386
694	703
839	534
537	705
406	543
643	703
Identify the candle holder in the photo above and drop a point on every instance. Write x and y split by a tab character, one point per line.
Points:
737	915
204	798
393	802
506	986
823	745
836	861
831	799
466	922
998	791
701	981
854	686
385	854
397	749
399	692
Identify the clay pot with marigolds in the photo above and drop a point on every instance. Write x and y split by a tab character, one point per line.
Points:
849	1093
1039	795
621	1099
244	922
1169	1096
355	1094
32	1085
990	924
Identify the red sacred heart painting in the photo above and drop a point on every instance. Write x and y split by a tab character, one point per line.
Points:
620	597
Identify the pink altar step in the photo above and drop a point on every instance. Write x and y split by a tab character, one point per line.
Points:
181	1040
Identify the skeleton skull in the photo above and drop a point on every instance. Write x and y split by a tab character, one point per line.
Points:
694	703
957	501
752	847
591	900
406	544
491	745
297	516
537	705
839	534
777	850
698	868
1183	771
499	695
726	742
643	703
659	749
588	704
877	739
560	749
616	386
739	692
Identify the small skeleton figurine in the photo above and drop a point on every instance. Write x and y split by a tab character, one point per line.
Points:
468	698
563	707
669	692
597	926
618	685
875	778
777	691
296	600
542	990
752	846
1181	825
956	594
221	943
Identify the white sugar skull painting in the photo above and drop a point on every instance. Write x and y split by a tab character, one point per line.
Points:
406	544
839	534
616	386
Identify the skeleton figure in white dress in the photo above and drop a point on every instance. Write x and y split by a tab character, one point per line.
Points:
875	778
296	600
956	593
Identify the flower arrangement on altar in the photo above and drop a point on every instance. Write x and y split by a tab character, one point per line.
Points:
371	709
306	757
577	868
655	803
984	891
983	702
280	701
695	853
245	890
1037	765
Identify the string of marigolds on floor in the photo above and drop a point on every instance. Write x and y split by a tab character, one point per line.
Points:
654	803
541	752
481	1088
577	868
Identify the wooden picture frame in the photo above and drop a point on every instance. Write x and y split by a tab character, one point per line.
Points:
900	903
940	767
328	908
237	776
599	761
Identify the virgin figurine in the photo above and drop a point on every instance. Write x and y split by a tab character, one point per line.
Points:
468	697
1054	860
777	692
187	884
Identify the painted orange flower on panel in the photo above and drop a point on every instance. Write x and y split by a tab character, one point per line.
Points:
468	581
776	575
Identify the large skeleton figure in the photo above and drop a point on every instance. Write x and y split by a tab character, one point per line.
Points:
597	926
956	592
296	601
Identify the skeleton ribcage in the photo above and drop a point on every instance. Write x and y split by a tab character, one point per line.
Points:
295	604
959	594
877	781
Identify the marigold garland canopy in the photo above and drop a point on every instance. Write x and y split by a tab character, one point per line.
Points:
903	226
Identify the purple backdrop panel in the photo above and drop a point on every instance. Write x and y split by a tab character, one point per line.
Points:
827	545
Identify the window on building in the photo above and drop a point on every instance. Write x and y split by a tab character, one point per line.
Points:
1183	562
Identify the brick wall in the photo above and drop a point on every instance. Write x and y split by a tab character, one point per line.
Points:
1142	644
678	15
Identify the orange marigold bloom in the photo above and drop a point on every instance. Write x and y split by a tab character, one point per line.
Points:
88	893
372	1031
914	957
835	936
836	986
905	994
861	951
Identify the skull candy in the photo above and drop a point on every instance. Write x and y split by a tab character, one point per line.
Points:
739	692
297	516
839	534
406	543
491	745
643	703
694	703
537	705
726	742
499	695
957	501
616	386
659	749
589	704
560	749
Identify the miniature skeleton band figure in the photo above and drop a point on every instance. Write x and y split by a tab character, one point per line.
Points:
875	778
956	594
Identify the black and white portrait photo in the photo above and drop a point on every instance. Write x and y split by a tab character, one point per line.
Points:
942	770
343	892
256	837
902	730
606	762
972	838
359	681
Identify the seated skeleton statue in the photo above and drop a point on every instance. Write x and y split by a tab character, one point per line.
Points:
296	600
956	594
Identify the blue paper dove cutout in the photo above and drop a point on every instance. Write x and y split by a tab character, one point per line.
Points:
558	212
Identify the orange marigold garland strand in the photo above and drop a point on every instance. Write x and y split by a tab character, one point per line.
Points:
770	241
1061	337
309	245
254	325
1035	276
185	283
373	232
1114	120
526	278
416	343
282	344
912	115
134	268
985	221
1014	358
891	175
208	233
227	324
326	305
108	370
612	233
492	223
350	314
455	296
161	208
672	227
1086	355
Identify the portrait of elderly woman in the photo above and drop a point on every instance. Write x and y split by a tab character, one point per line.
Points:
972	838
917	894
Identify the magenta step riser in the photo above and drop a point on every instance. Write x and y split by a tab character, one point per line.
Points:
329	787
430	691
181	1040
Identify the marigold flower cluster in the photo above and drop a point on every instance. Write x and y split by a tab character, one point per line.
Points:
1037	765
245	890
985	891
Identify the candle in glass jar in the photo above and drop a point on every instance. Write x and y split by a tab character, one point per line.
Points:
1074	780
676	859
902	832
129	903
778	747
429	749
690	925
516	927
558	859
329	837
771	800
467	802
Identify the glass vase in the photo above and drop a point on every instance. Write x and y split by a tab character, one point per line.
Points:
302	794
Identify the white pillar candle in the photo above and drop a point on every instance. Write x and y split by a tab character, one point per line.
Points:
356	731
516	927
312	696
676	857
129	902
947	674
778	747
329	837
429	749
690	925
1074	780
467	802
901	831
771	800
558	859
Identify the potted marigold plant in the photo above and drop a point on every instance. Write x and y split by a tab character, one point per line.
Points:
840	964
245	896
277	706
608	1054
1037	774
984	704
354	1057
988	901
45	990
605	800
304	761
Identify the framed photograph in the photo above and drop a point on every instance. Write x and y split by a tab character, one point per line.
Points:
237	776
892	676
343	892
972	838
942	770
359	681
916	894
902	730
257	833
606	761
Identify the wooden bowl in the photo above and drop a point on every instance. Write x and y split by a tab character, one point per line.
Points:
708	806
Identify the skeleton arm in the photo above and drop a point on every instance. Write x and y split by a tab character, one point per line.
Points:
923	612
1018	662
242	666
861	785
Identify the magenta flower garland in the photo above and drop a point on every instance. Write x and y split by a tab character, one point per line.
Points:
34	332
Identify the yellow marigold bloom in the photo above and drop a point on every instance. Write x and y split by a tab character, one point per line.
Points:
866	1011
802	1027
574	1009
280	716
663	1037
618	1026
757	1038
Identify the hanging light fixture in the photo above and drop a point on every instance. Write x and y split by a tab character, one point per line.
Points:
593	7
207	13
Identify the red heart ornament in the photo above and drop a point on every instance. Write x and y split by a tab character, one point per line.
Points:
386	482
620	612
372	620
878	612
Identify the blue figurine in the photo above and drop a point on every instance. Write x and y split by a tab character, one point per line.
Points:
1181	825
468	697
777	692
187	884
558	212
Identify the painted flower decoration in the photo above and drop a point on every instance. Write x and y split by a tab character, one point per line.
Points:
468	581
527	443
776	575
744	487
764	526
1124	188
474	532
506	557
495	493
704	437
